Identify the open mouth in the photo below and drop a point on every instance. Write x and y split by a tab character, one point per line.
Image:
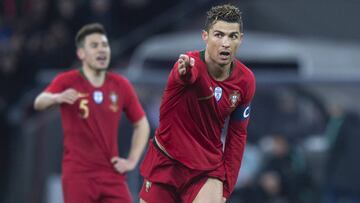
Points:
101	58
225	53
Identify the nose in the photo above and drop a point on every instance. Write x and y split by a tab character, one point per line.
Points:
226	42
102	48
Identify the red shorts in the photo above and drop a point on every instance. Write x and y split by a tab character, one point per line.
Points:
167	180
95	190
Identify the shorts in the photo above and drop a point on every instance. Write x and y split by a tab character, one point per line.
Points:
167	180
95	190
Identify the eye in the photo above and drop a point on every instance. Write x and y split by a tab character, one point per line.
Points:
93	45
234	36
218	35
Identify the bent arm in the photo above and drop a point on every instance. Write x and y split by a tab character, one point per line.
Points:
46	100
139	140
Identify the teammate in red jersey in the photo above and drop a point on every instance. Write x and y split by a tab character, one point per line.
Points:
91	100
185	161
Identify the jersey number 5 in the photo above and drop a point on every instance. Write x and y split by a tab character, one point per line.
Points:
84	108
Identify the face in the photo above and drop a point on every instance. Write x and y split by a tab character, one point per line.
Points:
222	41
95	53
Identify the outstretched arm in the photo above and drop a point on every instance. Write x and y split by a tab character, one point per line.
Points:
46	100
139	139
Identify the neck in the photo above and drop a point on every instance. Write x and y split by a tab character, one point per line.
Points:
95	77
217	71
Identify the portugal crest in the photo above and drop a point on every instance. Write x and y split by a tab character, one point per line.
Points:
218	93
114	102
234	98
98	96
147	185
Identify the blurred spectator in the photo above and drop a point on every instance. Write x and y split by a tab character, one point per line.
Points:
4	153
343	181
10	73
68	12
270	188
101	11
55	47
284	169
281	178
298	115
36	14
262	112
290	111
135	13
245	185
252	163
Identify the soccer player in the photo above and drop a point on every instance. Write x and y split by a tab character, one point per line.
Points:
91	101
185	161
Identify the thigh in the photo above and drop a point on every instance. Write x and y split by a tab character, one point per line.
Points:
189	192
79	190
114	192
156	192
211	191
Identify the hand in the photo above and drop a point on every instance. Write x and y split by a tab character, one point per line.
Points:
122	165
185	62
223	200
68	96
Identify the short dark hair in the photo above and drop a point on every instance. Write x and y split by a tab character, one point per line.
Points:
226	12
86	30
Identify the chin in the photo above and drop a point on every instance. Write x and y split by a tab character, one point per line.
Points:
101	68
224	63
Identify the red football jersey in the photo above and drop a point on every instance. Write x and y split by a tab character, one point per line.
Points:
193	113
91	123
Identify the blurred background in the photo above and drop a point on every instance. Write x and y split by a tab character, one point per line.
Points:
304	135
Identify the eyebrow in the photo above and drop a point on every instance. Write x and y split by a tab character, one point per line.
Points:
231	33
96	42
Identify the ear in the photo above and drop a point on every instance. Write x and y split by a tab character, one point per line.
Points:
205	35
80	53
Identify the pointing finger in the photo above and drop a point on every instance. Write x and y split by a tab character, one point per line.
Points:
184	57
192	61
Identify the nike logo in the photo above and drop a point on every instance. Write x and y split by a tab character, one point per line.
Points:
207	97
81	95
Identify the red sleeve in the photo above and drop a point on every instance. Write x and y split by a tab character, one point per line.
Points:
132	108
236	140
58	84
